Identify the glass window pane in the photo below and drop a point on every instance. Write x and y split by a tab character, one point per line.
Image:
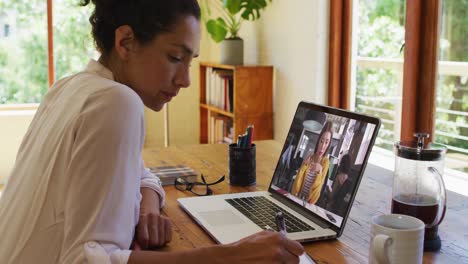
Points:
452	86
23	51
377	79
73	43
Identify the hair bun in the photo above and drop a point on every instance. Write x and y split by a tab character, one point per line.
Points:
147	18
95	2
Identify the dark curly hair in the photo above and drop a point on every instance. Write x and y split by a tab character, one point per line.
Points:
147	18
345	164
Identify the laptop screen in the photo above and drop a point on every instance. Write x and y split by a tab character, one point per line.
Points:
322	160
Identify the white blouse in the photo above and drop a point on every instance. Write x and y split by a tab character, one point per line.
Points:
74	193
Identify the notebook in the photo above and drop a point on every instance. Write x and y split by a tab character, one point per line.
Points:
168	174
316	200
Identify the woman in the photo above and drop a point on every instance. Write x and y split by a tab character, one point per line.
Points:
79	192
309	180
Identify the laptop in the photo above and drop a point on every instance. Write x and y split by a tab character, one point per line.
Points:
314	215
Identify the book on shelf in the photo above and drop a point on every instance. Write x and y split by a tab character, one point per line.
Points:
220	129
219	86
227	140
208	84
228	133
168	174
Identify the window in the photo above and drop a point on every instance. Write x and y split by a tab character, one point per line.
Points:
73	44
23	53
452	85
378	58
6	30
24	46
379	72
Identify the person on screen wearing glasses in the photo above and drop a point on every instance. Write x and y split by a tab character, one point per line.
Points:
313	171
79	192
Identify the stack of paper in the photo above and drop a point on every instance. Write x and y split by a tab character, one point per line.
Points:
168	174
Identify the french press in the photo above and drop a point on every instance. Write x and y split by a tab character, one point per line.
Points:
418	186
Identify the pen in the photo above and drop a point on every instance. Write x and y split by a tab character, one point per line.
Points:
251	135
244	139
280	223
281	226
247	137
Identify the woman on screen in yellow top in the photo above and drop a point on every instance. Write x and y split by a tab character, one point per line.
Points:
309	180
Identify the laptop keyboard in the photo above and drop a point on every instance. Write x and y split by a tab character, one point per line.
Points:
263	211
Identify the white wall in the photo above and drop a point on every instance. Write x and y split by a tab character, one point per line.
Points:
292	35
13	126
154	128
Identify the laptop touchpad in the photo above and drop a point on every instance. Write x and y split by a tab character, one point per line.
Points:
221	217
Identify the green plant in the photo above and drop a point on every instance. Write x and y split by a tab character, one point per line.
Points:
233	13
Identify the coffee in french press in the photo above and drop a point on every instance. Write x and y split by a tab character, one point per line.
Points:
418	186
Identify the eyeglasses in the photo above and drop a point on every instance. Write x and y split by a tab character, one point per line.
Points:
198	188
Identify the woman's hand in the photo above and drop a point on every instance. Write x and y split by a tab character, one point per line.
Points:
317	167
153	229
265	247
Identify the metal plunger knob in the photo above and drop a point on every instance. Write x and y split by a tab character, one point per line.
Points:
421	137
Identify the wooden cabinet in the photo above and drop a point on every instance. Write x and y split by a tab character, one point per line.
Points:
231	98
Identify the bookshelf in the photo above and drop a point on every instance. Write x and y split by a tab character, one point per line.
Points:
231	98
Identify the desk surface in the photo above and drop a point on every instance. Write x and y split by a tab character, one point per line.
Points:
374	197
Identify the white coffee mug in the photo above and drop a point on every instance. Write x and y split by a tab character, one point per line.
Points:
395	239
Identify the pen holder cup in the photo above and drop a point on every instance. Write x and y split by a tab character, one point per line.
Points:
242	168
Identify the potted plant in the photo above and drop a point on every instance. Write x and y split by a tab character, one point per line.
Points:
225	28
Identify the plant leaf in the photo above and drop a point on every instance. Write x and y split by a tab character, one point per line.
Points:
217	29
233	6
251	8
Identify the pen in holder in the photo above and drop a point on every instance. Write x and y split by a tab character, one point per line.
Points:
242	165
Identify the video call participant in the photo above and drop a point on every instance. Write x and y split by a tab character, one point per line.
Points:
312	173
341	187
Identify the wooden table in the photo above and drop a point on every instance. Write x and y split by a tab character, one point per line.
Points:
374	197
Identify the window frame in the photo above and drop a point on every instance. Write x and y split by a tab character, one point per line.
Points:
419	69
50	44
339	53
